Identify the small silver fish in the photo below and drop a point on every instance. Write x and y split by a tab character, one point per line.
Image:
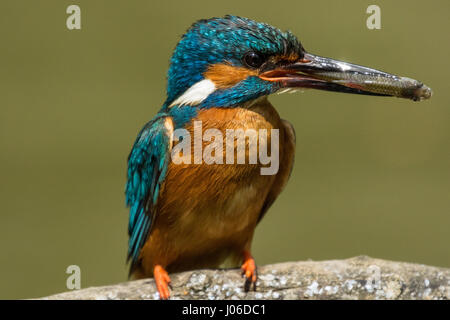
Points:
317	72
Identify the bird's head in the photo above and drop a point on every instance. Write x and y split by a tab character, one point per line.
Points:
232	60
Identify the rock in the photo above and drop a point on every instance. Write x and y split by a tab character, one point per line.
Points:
356	278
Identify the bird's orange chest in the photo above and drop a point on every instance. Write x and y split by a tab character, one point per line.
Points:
260	115
221	202
245	131
255	122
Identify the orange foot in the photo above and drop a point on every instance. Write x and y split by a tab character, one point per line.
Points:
249	271
162	282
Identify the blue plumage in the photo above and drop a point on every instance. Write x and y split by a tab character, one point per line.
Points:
147	166
222	39
247	90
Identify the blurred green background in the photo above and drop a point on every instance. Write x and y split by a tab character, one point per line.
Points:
372	175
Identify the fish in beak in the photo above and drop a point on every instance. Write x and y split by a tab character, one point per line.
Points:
317	72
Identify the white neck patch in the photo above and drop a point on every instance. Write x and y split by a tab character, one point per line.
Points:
195	94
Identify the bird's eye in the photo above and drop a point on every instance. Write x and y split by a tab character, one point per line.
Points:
252	59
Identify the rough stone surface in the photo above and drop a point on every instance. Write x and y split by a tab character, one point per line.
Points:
356	278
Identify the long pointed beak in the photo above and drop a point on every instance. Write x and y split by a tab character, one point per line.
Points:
333	75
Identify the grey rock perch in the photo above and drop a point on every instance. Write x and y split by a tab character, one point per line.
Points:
355	278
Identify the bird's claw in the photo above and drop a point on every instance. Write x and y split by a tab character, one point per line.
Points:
249	272
162	280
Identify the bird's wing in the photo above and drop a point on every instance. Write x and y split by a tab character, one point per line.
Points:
147	168
285	169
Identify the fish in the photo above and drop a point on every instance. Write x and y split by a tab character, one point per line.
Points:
333	75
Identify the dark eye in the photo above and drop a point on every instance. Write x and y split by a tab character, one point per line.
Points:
252	59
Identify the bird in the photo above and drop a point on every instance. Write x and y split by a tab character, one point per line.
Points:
186	215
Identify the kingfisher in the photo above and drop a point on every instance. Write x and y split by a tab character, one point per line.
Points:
186	215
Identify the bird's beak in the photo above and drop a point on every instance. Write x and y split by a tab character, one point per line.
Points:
327	74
